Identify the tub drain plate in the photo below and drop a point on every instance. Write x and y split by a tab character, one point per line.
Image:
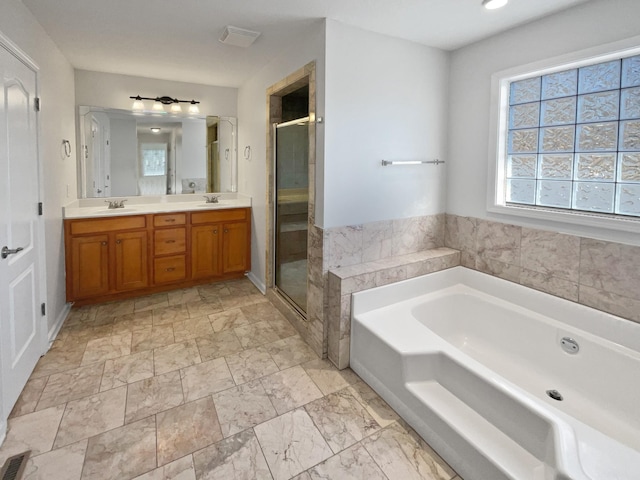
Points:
555	394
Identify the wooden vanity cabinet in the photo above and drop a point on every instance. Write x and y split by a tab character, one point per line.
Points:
220	242
106	256
119	257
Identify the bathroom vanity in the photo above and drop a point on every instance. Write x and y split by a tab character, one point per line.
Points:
146	248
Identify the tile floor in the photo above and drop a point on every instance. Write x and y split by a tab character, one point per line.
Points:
204	383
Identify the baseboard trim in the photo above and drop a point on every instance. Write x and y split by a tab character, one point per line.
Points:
55	329
256	281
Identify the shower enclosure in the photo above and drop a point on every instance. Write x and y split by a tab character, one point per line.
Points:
291	210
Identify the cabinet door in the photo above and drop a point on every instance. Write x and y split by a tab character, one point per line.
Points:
132	269
205	250
234	249
89	266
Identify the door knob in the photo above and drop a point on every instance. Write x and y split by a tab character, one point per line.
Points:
6	251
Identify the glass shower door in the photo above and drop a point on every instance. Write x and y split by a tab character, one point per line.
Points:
292	210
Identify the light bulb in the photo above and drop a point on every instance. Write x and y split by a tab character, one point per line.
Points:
193	108
176	108
157	107
493	4
138	105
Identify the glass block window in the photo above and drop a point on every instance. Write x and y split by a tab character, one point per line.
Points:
573	139
153	159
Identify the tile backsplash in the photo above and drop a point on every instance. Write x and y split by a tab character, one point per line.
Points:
599	274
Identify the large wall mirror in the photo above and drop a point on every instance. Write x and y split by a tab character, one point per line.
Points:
127	154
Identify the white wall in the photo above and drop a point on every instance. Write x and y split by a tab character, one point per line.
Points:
385	99
252	123
113	91
595	23
56	122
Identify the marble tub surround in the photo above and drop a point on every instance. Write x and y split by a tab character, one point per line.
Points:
91	207
600	274
232	403
344	281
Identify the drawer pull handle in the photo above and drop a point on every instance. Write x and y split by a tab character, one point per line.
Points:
170	241
104	244
171	269
170	220
226	231
118	242
215	232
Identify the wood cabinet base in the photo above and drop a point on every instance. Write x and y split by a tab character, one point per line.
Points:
123	257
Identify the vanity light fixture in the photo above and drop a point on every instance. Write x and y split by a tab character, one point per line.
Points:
493	4
160	102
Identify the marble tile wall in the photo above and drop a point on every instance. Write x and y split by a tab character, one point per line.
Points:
600	274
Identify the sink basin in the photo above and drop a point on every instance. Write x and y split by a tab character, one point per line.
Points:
115	211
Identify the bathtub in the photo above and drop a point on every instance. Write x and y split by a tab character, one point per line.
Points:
503	381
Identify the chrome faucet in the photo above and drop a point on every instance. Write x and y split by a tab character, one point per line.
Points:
115	203
212	198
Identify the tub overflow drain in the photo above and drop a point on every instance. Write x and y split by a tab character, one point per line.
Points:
555	394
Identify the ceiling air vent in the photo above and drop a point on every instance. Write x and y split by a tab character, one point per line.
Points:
238	36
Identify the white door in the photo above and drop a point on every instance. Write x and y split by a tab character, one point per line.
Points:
22	325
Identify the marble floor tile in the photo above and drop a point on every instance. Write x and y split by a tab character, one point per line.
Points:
205	379
251	364
212	291
152	337
181	469
70	385
255	334
91	415
203	308
228	319
290	351
233	301
115	309
153	395
327	377
105	348
354	463
243	407
61	464
375	405
291	444
290	388
128	369
192	328
59	360
261	312
171	314
132	322
175	356
401	457
341	419
124	452
218	345
282	326
238	458
34	431
305	476
29	397
187	428
184	295
150	302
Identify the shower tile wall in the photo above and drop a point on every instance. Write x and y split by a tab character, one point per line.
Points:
599	274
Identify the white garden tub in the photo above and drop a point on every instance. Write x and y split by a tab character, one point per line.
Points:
467	359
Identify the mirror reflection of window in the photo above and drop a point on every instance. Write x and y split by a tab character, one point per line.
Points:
154	159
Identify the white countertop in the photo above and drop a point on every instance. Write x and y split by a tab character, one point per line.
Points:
97	207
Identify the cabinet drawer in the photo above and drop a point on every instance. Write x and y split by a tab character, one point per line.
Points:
169	219
169	240
169	269
225	215
100	225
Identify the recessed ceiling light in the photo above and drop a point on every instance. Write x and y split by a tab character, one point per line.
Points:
155	129
493	4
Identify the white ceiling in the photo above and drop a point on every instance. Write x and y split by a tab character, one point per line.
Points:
178	39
